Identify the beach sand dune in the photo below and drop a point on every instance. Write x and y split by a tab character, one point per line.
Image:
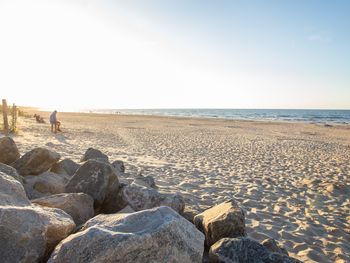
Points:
292	179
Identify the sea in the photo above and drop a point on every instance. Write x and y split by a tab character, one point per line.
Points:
299	115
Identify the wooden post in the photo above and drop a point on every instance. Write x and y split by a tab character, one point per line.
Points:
4	113
14	118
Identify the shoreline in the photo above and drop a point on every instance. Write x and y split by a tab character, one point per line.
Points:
276	121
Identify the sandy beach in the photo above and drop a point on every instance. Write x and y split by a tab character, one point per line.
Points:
292	179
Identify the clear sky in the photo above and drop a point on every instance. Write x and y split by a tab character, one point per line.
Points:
74	54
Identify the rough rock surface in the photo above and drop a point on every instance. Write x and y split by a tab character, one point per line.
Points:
96	179
36	161
11	192
28	233
114	201
155	235
94	154
66	166
119	166
79	206
273	246
146	181
11	172
141	198
45	184
245	250
224	220
127	210
8	150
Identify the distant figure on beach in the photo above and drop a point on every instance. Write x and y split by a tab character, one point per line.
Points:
55	124
39	119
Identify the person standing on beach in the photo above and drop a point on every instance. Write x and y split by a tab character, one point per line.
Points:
55	124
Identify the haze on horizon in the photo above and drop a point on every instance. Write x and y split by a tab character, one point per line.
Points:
175	54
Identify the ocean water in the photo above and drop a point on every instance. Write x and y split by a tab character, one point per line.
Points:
311	116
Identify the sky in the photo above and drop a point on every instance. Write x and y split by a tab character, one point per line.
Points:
89	54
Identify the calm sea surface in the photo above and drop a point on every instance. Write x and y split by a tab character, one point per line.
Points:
314	116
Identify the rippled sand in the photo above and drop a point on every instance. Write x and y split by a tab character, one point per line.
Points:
291	179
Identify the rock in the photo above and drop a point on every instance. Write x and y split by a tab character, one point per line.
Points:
126	210
189	213
11	172
273	246
66	166
141	198
11	192
94	154
155	235
223	220
96	179
45	184
8	150
28	233
36	161
245	250
79	206
146	181
114	201
119	166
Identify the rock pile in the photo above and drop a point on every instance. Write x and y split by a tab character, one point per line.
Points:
154	235
59	211
28	233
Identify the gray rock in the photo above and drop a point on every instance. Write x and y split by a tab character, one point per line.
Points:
79	206
155	235
11	172
94	154
45	184
96	179
126	210
28	233
66	166
141	198
224	220
146	181
114	202
119	166
273	246
8	150
245	250
12	192
36	161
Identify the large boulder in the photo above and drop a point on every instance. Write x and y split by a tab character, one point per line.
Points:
141	198
36	161
79	206
223	220
245	250
97	179
8	150
28	233
11	192
6	169
155	235
66	166
45	184
94	154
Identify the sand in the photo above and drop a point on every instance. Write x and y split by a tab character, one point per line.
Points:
292	179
